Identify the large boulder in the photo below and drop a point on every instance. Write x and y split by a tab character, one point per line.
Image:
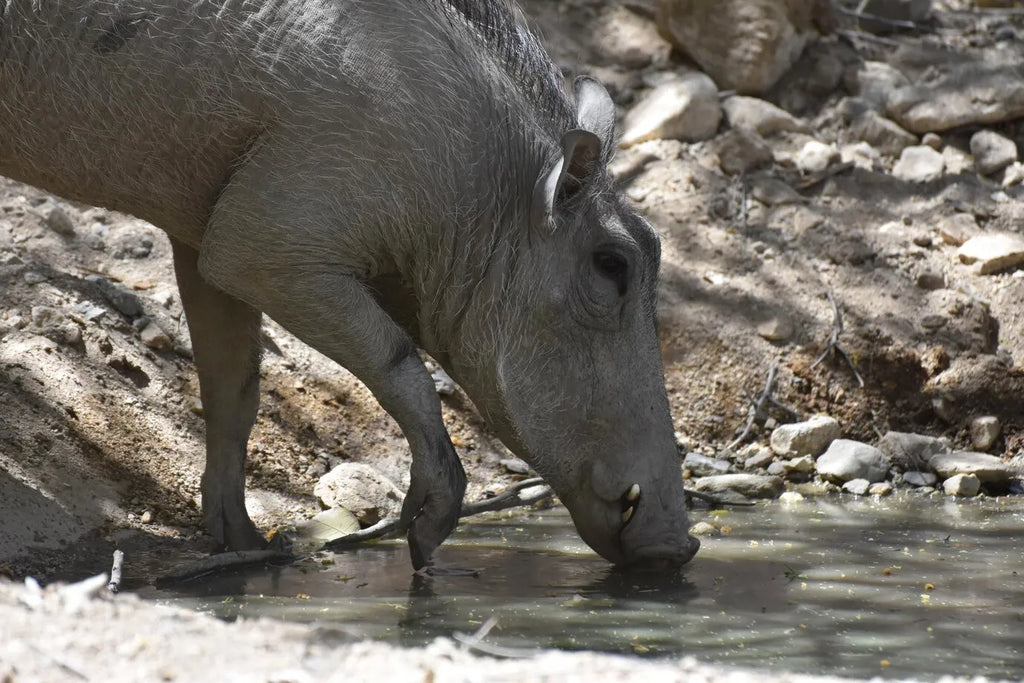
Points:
682	106
745	45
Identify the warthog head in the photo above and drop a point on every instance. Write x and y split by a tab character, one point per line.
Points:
560	352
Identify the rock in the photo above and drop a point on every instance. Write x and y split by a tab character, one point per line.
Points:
146	517
893	11
960	94
361	490
514	465
444	385
745	45
993	252
124	301
884	135
1013	175
931	281
46	317
776	329
956	161
846	460
880	488
702	465
704	529
932	140
58	220
760	116
860	154
776	469
858	487
741	150
874	82
958	228
762	458
962	485
920	478
984	432
815	157
682	107
154	337
801	465
911	451
749	485
918	164
774	192
985	467
790	498
992	152
805	438
33	277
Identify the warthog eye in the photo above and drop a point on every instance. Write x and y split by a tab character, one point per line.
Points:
613	266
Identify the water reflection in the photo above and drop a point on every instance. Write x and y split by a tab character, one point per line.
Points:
898	588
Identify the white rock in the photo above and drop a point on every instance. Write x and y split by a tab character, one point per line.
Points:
760	116
790	497
776	329
918	164
1013	175
992	152
993	252
815	156
958	228
154	337
361	490
805	438
985	467
984	432
884	135
749	485
684	107
874	82
845	460
880	488
915	478
858	487
860	154
962	485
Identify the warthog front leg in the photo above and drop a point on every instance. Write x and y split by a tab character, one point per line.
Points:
225	341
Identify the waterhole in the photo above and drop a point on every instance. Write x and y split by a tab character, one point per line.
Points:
898	587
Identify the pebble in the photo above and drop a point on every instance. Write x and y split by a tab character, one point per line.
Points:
58	220
32	277
741	150
958	228
147	517
790	497
918	164
762	458
514	465
875	83
704	529
154	337
932	140
444	385
846	460
858	487
1013	175
984	432
915	478
884	135
860	154
684	106
749	485
880	488
776	329
777	468
993	252
962	485
810	437
987	468
815	157
910	451
992	152
774	192
760	116
930	281
702	465
800	465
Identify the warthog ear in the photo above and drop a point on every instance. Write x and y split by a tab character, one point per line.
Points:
579	163
595	112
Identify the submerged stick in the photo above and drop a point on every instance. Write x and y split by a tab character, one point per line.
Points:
114	584
221	561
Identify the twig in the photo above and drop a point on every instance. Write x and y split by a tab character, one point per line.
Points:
114	585
859	14
833	346
214	563
475	642
509	498
757	408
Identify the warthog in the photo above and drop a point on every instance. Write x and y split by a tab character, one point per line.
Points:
375	176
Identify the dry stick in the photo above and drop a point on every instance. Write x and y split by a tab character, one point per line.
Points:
859	14
114	584
833	346
475	642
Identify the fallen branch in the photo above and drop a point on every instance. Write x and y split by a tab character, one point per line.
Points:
509	498
114	584
832	347
221	561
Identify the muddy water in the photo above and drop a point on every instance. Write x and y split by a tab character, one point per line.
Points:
902	587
